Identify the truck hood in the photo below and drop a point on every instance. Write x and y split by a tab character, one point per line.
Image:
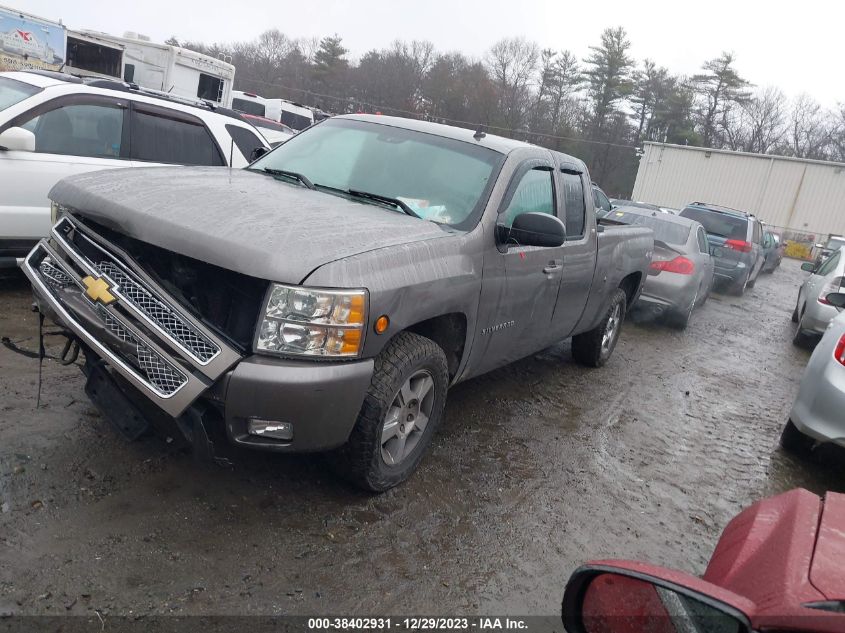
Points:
784	551
243	221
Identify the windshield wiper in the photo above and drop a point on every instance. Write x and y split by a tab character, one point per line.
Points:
290	174
396	202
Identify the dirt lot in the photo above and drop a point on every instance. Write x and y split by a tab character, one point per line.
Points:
538	467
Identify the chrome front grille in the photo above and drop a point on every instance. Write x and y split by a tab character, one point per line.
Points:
53	276
160	313
166	378
129	321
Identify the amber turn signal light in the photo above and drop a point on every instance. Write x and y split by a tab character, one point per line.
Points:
381	324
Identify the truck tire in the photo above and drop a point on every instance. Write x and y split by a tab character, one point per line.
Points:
594	348
409	385
794	441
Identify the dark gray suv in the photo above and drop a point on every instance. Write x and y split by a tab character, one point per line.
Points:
735	239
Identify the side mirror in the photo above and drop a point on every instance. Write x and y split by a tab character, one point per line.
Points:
533	229
17	138
809	267
615	599
257	153
819	245
836	299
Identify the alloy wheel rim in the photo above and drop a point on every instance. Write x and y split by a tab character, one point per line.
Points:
611	328
407	417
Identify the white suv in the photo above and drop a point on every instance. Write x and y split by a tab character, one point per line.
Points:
53	125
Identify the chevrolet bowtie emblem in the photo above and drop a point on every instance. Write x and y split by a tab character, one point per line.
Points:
98	290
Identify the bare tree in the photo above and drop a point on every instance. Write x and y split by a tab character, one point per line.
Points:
760	125
809	129
512	63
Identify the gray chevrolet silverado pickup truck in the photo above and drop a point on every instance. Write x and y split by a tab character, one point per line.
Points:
327	296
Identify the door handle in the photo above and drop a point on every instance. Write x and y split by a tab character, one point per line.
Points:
553	266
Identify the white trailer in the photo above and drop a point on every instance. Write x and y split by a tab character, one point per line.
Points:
172	69
804	195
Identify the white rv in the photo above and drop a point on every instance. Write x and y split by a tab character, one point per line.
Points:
294	115
172	69
91	55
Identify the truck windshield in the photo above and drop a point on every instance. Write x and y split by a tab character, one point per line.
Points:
13	91
440	179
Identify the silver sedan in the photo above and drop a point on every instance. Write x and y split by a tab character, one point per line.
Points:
817	414
812	310
681	272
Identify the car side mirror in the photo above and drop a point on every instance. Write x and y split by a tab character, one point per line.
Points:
836	299
533	229
17	138
819	245
257	153
640	598
809	267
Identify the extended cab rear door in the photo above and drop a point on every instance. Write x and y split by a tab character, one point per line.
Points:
579	250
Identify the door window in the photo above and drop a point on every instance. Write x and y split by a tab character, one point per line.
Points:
600	200
94	130
533	194
573	200
160	138
702	241
829	264
755	237
244	139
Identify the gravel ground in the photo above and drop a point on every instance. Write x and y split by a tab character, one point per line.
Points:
538	467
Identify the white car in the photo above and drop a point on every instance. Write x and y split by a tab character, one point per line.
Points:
54	125
818	414
812	310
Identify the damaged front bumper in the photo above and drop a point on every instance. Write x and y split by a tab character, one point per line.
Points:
160	351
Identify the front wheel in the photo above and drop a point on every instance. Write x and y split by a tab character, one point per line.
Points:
401	410
594	348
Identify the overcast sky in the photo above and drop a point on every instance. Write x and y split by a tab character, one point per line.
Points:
797	47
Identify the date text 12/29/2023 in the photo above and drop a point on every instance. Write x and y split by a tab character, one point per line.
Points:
422	623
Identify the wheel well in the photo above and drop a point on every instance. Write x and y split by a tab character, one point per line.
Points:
630	285
449	332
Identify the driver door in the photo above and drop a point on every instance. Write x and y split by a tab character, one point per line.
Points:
520	283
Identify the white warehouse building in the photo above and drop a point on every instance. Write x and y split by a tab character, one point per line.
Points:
799	194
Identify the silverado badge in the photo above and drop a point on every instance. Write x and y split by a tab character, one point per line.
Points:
98	290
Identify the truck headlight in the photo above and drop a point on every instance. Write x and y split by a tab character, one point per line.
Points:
312	322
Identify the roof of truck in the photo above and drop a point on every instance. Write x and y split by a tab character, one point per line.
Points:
496	143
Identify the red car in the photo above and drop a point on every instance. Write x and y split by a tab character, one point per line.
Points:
779	566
